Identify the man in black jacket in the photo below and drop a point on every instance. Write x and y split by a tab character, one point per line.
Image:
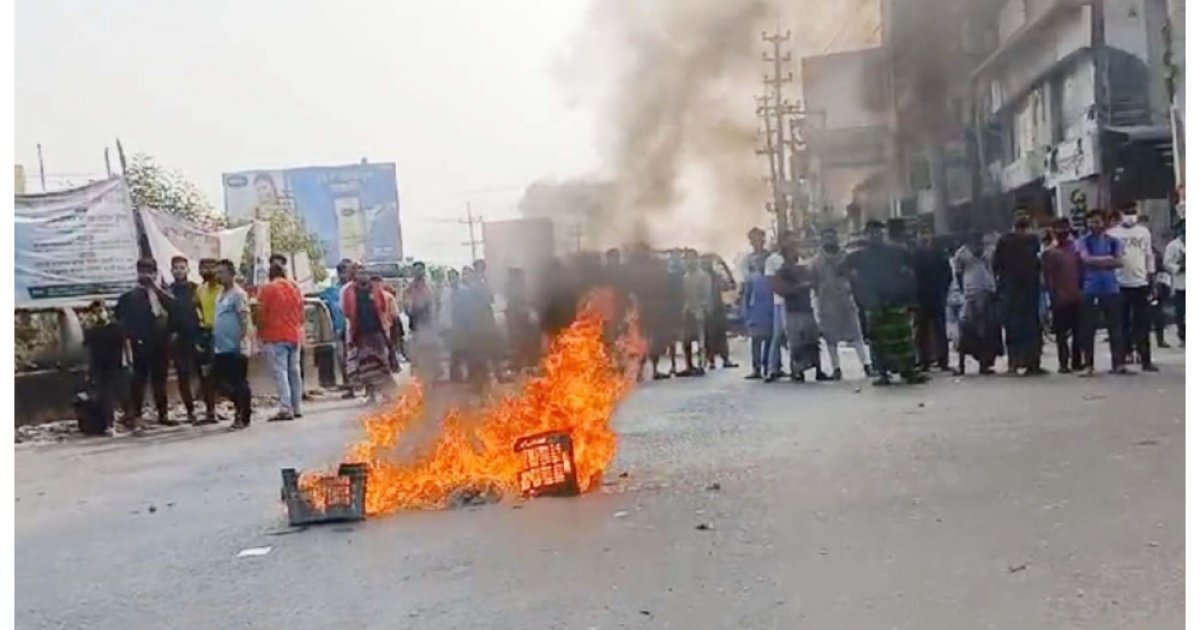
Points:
186	341
931	263
145	314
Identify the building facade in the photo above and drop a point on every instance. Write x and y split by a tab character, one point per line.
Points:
1071	109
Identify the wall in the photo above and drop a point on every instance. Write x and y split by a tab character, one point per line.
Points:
846	90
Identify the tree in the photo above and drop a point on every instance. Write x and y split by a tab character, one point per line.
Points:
158	188
153	186
289	235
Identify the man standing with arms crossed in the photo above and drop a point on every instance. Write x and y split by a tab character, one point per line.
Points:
1101	256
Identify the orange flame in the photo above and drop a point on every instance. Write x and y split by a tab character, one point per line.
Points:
576	391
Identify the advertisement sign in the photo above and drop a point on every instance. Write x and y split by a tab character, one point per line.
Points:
170	236
354	210
75	243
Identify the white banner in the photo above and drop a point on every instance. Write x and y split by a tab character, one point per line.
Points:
170	236
75	244
262	251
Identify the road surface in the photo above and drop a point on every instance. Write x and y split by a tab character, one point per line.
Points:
965	503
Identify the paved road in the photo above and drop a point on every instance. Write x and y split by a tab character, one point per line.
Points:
965	503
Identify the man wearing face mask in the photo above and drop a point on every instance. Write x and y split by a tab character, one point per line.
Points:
1134	274
145	315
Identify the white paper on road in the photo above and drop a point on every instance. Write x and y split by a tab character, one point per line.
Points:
254	552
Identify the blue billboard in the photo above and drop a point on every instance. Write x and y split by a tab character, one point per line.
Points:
354	210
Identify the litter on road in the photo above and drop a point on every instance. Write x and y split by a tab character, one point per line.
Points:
254	552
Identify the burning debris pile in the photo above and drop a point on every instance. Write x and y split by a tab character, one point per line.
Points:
495	450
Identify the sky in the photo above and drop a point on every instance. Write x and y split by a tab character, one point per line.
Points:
458	93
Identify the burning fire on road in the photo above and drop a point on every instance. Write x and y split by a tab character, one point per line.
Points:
551	434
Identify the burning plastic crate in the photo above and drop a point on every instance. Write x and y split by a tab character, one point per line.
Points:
549	465
328	498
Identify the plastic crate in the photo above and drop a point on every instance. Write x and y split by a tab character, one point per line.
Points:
344	496
548	468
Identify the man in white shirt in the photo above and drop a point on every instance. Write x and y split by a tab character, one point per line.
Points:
1134	276
1173	260
779	332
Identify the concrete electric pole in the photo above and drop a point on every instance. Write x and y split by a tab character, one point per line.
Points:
471	221
772	108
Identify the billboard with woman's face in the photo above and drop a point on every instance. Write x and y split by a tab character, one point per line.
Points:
354	210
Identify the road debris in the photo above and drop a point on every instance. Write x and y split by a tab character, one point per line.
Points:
620	514
714	487
704	527
1018	568
1153	543
1150	442
254	552
152	509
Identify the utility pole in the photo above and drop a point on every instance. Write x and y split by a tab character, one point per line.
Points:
470	222
41	167
777	146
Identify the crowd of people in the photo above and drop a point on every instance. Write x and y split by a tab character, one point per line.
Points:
202	330
898	302
903	298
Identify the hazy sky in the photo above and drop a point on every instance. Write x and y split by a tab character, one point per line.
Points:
458	93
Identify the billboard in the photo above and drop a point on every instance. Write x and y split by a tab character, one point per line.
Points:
75	244
354	210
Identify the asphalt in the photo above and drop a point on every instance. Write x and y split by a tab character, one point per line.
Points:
969	502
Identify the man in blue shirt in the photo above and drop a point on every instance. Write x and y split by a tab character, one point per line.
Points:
332	297
1101	256
231	320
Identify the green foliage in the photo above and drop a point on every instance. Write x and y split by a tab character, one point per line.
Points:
153	186
158	188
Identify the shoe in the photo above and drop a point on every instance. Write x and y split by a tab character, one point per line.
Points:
754	376
238	425
167	422
823	377
729	365
282	416
882	381
191	418
1087	372
869	371
798	377
987	371
348	395
1150	367
297	416
1162	345
772	378
1064	370
206	421
659	376
1120	371
916	378
1035	372
837	375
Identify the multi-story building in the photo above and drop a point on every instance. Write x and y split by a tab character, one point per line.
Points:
847	111
1070	107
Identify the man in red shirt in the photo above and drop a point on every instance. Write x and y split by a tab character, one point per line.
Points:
281	330
1063	271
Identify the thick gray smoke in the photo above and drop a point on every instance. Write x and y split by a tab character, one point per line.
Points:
677	127
675	81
